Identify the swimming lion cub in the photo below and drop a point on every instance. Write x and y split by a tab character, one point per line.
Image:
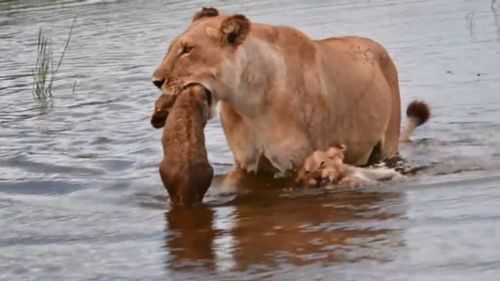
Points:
184	170
327	167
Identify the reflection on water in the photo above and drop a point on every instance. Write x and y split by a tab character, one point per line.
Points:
80	194
262	234
189	239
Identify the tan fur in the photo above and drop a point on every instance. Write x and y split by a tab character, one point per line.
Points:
185	170
285	95
327	167
313	170
234	29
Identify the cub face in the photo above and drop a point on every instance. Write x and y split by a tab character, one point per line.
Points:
323	167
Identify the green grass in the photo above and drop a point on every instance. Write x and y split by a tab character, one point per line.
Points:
46	69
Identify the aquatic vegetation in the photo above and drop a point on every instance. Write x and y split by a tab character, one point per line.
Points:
46	70
469	17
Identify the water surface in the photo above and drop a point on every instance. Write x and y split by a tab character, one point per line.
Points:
80	194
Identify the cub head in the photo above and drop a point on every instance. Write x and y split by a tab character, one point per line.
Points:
311	172
323	167
205	53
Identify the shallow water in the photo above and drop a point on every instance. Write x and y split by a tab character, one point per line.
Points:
80	194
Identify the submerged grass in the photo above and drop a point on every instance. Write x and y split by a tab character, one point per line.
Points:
46	70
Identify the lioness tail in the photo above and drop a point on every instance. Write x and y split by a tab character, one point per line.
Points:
418	113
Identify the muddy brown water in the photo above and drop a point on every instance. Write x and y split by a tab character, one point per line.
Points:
80	194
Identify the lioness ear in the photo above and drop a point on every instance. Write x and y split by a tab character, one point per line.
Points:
205	12
234	29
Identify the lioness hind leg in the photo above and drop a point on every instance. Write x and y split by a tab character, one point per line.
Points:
390	140
390	144
376	154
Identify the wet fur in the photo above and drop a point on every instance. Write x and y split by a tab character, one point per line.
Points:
327	167
161	109
185	170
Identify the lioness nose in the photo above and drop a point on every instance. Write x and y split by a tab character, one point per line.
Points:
158	82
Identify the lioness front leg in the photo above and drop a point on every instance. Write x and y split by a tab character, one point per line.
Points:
241	140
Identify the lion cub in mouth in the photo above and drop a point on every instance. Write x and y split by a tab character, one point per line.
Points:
184	170
327	167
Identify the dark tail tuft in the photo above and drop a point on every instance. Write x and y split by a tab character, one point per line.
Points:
419	111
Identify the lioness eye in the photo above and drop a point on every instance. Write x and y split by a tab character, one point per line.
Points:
186	50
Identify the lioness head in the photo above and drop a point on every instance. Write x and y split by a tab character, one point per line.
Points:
206	53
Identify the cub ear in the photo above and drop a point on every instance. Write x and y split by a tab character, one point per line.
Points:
336	151
234	29
205	12
342	147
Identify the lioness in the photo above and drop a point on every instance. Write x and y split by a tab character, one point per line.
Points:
327	167
185	170
284	95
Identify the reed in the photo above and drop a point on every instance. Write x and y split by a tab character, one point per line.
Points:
46	69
